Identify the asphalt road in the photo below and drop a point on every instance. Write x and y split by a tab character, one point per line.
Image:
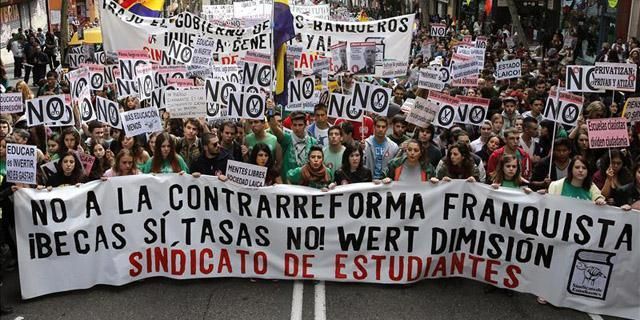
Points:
161	298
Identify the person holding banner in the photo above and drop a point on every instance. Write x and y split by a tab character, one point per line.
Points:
413	166
511	147
425	137
261	156
70	172
352	170
578	183
507	174
133	144
379	149
123	165
458	164
627	196
314	173
214	160
165	159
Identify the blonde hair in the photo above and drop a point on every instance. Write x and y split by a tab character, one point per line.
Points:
27	94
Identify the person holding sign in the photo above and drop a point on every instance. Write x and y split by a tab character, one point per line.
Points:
458	164
613	172
352	170
70	172
261	156
627	196
313	174
165	159
413	166
123	165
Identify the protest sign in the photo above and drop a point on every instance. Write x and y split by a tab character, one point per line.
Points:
127	88
472	110
11	102
464	66
295	50
226	72
447	106
256	77
158	96
123	30
47	109
100	57
202	52
438	30
180	52
181	82
422	113
615	76
608	133
392	69
140	121
339	57
76	59
320	64
96	76
111	72
436	231
162	74
362	58
430	79
467	82
565	109
390	35
218	91
87	111
78	80
86	160
508	69
318	11
476	53
246	105
246	174
371	98
108	112
186	103
128	60
21	163
481	42
340	107
145	82
631	109
581	79
301	93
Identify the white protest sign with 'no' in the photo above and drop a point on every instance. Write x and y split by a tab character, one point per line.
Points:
447	106
340	107
96	76
565	109
508	69
371	98
301	94
144	77
87	111
11	102
180	52
21	163
608	133
48	109
438	30
246	174
472	110
246	105
581	79
107	111
128	60
139	121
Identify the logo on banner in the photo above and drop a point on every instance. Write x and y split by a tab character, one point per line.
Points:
590	274
445	116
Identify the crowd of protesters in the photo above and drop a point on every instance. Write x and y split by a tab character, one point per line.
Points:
514	147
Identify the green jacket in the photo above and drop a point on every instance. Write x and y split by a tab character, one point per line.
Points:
288	149
295	177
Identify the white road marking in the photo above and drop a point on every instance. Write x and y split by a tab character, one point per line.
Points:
296	300
595	316
320	306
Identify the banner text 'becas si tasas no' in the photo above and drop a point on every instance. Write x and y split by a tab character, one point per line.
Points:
569	251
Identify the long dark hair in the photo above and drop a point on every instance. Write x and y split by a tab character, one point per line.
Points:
424	158
62	147
349	149
624	175
466	167
586	184
172	158
78	171
272	172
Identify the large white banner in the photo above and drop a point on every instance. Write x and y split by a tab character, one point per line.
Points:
391	36
125	229
123	30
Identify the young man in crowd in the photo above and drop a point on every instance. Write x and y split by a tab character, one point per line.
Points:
511	147
485	133
259	134
190	146
227	134
379	149
537	106
319	129
528	139
559	162
399	128
295	145
213	161
334	150
509	113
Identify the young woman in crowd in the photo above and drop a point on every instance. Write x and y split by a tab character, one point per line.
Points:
313	174
69	141
494	142
614	172
581	148
53	145
413	166
578	183
123	165
165	159
353	169
627	196
69	171
140	155
261	156
497	122
101	162
507	174
458	164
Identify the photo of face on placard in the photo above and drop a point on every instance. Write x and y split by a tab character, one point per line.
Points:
362	57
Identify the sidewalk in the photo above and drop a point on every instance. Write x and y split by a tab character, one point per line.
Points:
12	81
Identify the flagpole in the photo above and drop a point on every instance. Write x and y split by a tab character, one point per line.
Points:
273	56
